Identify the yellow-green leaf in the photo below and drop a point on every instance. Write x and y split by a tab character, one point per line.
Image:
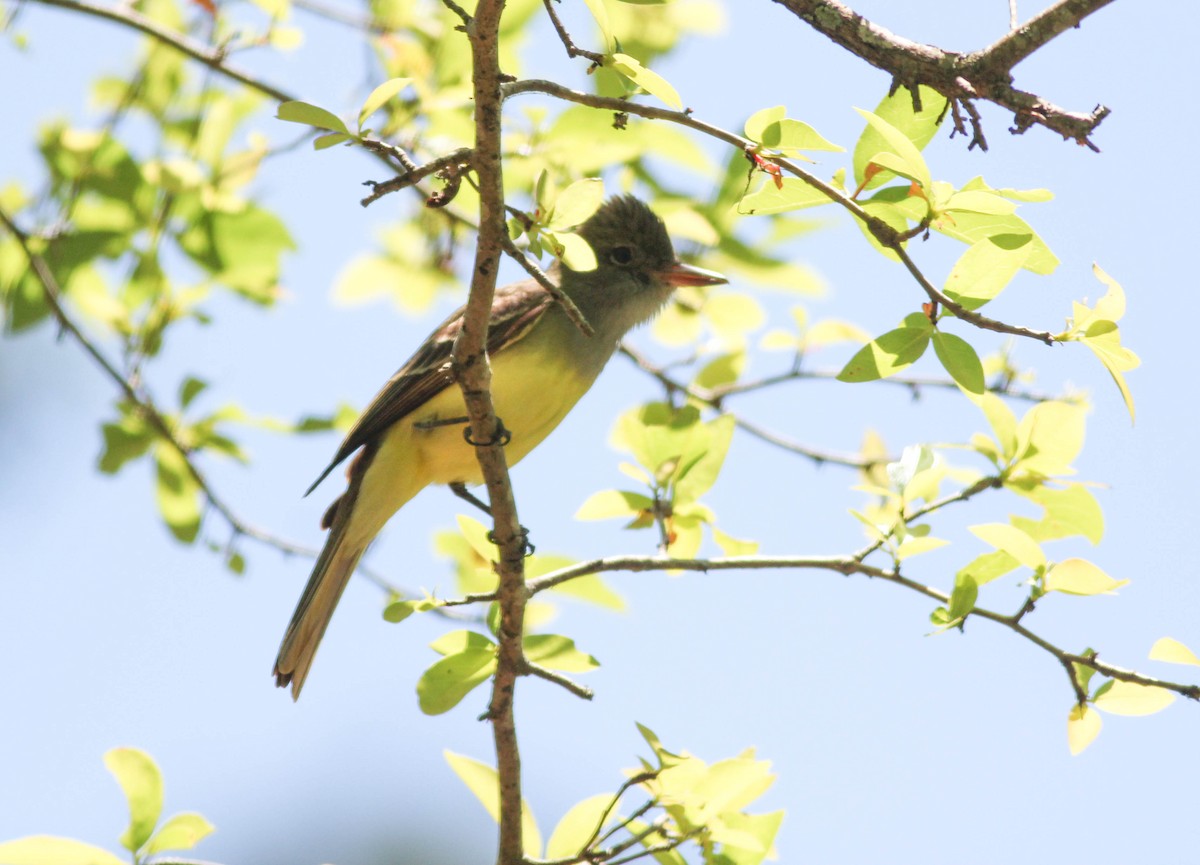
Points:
792	194
311	115
1173	652
649	81
141	782
52	850
443	685
1012	541
960	360
379	96
577	827
899	145
180	832
887	354
1083	726
483	781
1130	698
1081	577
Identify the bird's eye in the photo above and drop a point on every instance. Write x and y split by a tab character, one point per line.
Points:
621	255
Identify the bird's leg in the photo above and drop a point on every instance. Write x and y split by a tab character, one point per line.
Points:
460	490
434	423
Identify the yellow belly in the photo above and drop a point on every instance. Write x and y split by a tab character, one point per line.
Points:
414	454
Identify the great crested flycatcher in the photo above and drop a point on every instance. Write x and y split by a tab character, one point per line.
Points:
411	434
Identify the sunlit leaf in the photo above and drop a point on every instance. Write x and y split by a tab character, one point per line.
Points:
1173	652
483	781
1130	698
1081	577
141	782
1083	726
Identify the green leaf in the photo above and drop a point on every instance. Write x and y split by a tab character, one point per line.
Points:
1002	421
1130	698
52	850
793	194
141	782
979	201
575	204
600	13
897	110
962	598
895	142
960	360
189	390
177	493
483	781
311	115
443	685
398	611
651	82
988	265
1049	438
575	252
988	566
1173	652
1070	511
1083	726
558	653
180	832
330	139
578	826
613	504
379	96
770	128
124	441
974	227
1013	541
1081	577
887	354
460	641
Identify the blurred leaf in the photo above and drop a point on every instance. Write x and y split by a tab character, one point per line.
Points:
378	97
1013	541
180	832
578	826
51	850
311	115
651	82
558	653
1080	577
141	782
1083	726
483	781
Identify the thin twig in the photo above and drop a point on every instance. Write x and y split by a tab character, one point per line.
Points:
539	276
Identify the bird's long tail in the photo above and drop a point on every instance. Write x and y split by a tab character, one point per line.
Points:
332	572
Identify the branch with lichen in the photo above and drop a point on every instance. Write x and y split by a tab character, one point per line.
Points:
964	78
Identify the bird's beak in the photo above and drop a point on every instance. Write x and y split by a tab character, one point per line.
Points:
688	274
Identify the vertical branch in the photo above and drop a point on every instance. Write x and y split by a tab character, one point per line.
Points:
474	376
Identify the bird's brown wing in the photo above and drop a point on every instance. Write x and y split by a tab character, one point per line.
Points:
516	309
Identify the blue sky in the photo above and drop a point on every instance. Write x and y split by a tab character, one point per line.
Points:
890	746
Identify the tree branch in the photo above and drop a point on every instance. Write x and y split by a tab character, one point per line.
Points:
473	373
961	78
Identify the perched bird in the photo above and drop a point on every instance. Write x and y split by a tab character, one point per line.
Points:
410	436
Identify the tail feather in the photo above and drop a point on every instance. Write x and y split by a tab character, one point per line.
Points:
329	578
